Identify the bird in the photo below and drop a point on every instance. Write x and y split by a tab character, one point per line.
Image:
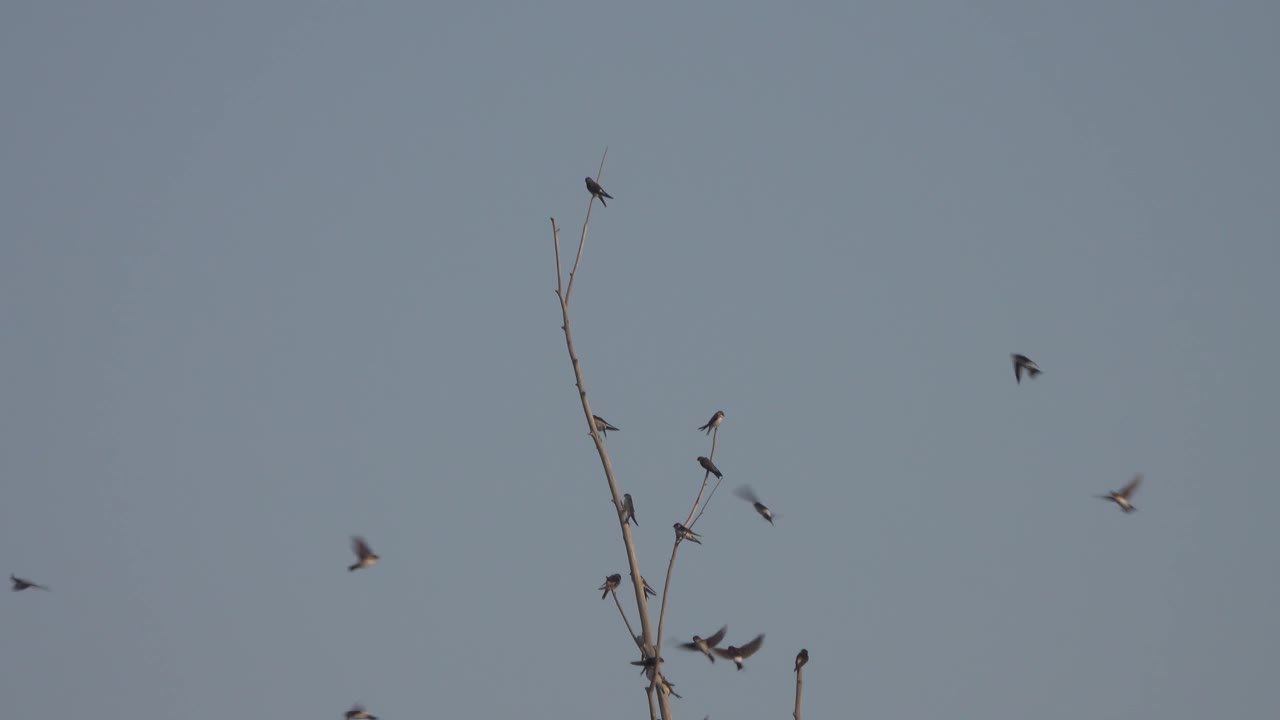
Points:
629	510
704	646
739	654
647	663
709	466
357	712
20	584
648	590
611	583
1121	496
669	687
603	427
802	658
1022	362
684	533
598	192
365	557
746	493
714	422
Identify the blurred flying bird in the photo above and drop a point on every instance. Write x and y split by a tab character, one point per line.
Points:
705	646
746	493
1121	496
739	654
20	584
365	556
357	712
1022	362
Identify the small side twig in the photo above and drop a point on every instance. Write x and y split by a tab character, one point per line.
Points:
582	242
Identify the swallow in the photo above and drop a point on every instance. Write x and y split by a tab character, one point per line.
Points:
709	466
802	658
647	664
705	646
684	533
1022	362
357	712
714	422
603	427
648	590
629	509
611	584
668	687
598	192
365	557
746	493
20	584
1121	496
740	654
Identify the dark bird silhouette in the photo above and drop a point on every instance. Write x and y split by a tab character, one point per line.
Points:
629	509
648	591
357	712
740	654
704	646
1022	362
647	663
20	584
365	556
684	533
746	493
802	659
709	466
1121	496
611	584
594	188
603	427
714	422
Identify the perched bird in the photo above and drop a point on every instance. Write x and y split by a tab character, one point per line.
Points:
647	663
19	584
648	590
1022	362
739	654
705	646
746	493
365	556
684	533
611	584
709	466
594	188
669	687
629	509
357	712
603	427
714	422
802	658
1121	496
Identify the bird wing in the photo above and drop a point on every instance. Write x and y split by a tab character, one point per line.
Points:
1132	487
746	493
750	648
715	639
360	547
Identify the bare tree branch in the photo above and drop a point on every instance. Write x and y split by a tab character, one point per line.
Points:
583	240
799	691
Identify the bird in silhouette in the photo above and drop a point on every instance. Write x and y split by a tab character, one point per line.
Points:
611	584
603	427
365	557
647	663
704	646
709	466
714	422
20	584
802	658
1121	496
1022	362
684	533
594	188
629	509
648	590
740	654
357	712
746	493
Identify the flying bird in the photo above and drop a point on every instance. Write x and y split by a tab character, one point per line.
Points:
714	422
684	533
802	659
594	188
746	493
20	584
709	466
611	584
365	557
704	646
1022	362
357	712
629	509
1121	496
603	427
740	654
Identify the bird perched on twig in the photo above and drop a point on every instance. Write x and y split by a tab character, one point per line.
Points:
802	659
648	589
705	646
611	584
684	533
365	557
603	427
20	584
709	466
714	422
1022	362
1121	496
739	654
746	493
629	509
594	188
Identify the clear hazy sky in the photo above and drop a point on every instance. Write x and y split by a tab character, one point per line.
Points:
272	274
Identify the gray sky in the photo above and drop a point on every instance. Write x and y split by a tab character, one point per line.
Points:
277	273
